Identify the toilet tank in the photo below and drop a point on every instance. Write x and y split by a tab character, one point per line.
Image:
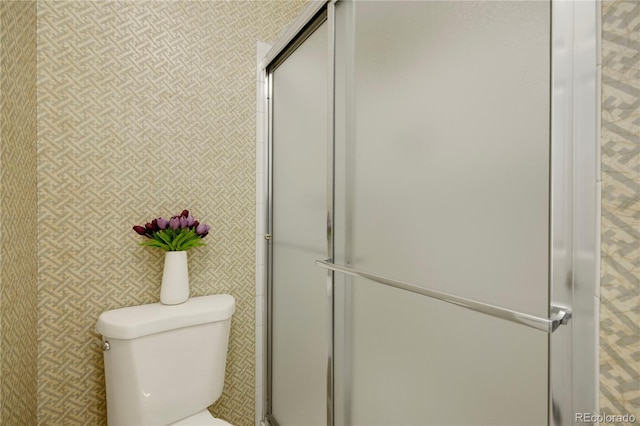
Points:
164	363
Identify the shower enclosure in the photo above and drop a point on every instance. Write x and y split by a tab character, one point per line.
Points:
432	205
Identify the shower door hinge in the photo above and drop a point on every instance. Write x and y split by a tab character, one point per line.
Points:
267	237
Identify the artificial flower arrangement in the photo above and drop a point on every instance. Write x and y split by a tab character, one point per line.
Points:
181	232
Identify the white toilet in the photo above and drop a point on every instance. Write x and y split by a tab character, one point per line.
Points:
164	365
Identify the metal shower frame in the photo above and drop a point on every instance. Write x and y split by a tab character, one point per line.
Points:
574	208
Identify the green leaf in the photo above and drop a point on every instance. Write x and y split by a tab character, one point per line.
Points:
194	241
175	239
175	244
164	237
154	243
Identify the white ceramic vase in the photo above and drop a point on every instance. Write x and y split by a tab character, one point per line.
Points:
175	278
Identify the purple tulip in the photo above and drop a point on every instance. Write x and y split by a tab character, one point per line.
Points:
162	223
174	223
203	230
151	226
183	222
140	230
193	231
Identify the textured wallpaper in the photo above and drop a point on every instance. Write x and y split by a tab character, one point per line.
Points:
144	109
620	286
18	267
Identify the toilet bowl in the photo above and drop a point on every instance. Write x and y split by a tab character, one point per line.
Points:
164	365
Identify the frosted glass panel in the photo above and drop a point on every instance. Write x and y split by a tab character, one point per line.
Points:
451	147
299	234
422	362
443	182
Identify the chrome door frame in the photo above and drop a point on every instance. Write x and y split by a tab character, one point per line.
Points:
575	208
315	14
574	200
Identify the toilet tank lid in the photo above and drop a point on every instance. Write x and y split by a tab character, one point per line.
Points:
137	321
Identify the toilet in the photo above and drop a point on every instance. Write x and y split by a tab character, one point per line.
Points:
164	365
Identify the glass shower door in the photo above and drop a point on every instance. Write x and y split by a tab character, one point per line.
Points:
442	181
298	325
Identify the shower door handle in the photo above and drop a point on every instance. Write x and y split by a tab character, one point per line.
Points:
560	315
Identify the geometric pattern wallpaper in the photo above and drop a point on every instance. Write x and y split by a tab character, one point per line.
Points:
144	109
620	280
147	108
18	204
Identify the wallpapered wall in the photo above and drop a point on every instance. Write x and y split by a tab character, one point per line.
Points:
144	109
620	286
18	268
